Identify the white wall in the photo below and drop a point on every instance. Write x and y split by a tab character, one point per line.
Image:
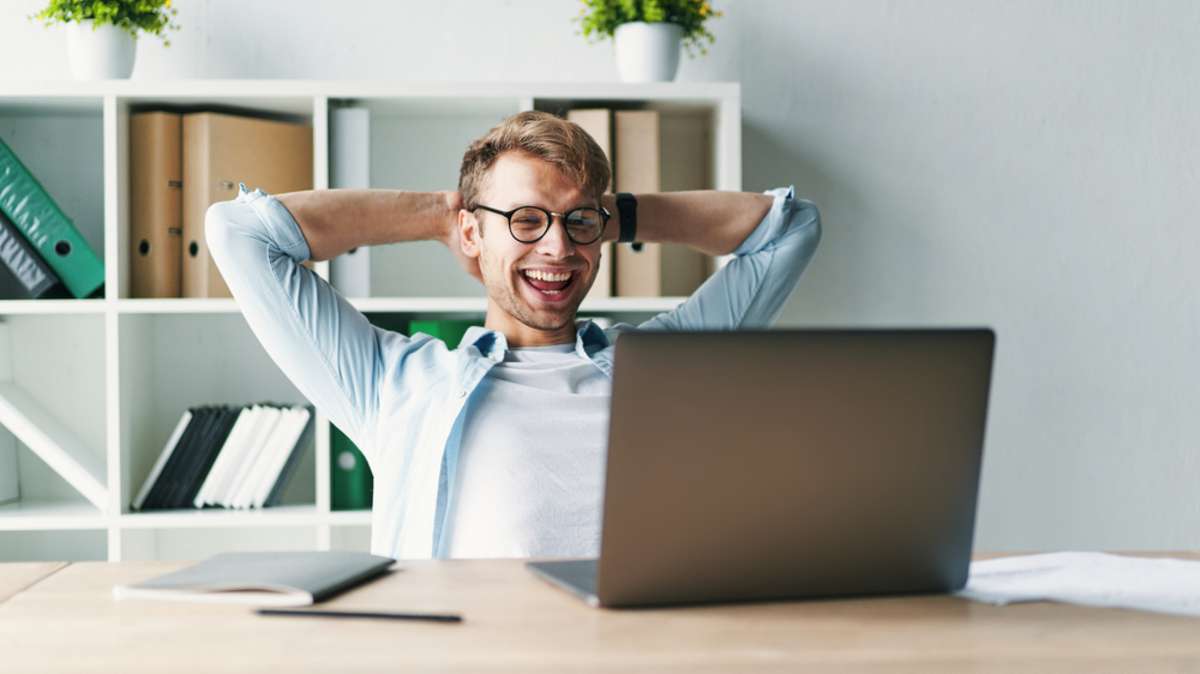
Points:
1027	165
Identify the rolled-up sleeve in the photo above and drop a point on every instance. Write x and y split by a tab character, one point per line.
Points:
325	346
750	290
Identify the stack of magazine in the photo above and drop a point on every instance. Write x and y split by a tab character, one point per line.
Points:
227	456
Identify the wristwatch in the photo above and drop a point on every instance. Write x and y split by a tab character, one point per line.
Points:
627	210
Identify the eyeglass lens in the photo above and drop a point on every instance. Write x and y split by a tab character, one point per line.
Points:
584	225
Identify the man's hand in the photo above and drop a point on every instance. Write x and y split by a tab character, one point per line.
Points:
453	237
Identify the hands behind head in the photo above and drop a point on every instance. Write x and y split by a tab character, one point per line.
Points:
453	236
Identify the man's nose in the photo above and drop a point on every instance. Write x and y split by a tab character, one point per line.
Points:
556	243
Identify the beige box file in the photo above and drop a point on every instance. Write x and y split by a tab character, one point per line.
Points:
219	151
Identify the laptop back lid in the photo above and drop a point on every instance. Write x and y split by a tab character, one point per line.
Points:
792	463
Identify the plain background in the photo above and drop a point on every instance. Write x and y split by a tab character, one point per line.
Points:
1033	166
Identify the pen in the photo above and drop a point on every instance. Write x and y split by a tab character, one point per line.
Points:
431	617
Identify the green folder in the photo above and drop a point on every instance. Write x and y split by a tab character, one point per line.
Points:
351	480
46	227
450	331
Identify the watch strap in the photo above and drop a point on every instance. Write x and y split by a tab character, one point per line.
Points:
627	211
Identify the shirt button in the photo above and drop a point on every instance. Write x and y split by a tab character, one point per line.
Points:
462	394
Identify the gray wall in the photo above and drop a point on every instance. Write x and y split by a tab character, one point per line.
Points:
1027	165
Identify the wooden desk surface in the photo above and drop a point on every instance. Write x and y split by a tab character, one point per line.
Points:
18	576
516	623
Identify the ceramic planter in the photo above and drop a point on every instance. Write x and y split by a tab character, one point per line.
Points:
647	52
105	53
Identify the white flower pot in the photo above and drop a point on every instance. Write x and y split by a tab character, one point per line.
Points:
647	52
105	53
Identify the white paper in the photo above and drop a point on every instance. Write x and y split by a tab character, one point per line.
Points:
1164	585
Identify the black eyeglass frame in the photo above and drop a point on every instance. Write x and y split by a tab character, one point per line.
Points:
604	216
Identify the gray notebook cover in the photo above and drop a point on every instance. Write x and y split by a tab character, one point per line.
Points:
262	578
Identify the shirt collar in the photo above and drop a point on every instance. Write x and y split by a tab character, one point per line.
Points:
491	344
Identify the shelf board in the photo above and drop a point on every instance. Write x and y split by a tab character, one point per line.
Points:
387	305
617	304
44	515
350	518
181	305
479	304
14	307
295	515
200	89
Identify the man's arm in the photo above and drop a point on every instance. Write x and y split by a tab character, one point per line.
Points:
771	253
334	221
325	346
709	221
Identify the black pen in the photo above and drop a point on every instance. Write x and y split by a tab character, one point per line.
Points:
431	617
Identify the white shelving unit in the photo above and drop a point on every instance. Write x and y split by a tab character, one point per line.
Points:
118	371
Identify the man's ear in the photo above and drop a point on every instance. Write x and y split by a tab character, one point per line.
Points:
469	233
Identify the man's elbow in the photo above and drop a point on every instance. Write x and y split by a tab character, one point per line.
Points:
806	226
222	225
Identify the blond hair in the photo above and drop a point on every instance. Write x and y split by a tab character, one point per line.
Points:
544	136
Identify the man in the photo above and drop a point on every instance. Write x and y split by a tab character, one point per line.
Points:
494	448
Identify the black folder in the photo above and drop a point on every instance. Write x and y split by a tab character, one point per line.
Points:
24	275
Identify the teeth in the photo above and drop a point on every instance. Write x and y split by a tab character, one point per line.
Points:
547	276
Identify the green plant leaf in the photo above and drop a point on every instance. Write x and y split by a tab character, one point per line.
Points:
133	16
599	19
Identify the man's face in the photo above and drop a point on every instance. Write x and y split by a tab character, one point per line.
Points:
522	278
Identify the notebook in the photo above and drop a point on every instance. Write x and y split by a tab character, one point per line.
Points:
262	578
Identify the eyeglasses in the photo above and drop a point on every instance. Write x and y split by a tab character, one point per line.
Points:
528	224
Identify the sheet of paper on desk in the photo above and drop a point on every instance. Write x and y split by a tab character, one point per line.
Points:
1091	578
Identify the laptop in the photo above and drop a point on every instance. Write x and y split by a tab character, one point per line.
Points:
787	464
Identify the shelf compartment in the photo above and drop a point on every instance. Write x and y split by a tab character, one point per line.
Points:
291	109
52	442
65	545
60	140
52	406
417	143
170	362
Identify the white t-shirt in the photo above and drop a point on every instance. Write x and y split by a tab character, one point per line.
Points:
530	476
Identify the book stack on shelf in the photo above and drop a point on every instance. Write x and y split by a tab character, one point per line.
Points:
94	389
42	254
229	457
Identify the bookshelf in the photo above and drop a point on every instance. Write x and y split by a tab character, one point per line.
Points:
118	371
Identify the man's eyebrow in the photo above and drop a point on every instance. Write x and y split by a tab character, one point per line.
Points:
521	204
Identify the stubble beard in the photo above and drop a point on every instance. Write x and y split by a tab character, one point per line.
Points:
506	297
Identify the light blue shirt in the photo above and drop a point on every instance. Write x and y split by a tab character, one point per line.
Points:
401	398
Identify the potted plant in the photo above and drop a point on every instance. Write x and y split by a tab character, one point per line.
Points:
647	34
102	34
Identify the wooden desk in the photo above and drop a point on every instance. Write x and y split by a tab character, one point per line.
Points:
68	621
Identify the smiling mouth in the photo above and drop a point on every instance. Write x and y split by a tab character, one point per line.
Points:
550	287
